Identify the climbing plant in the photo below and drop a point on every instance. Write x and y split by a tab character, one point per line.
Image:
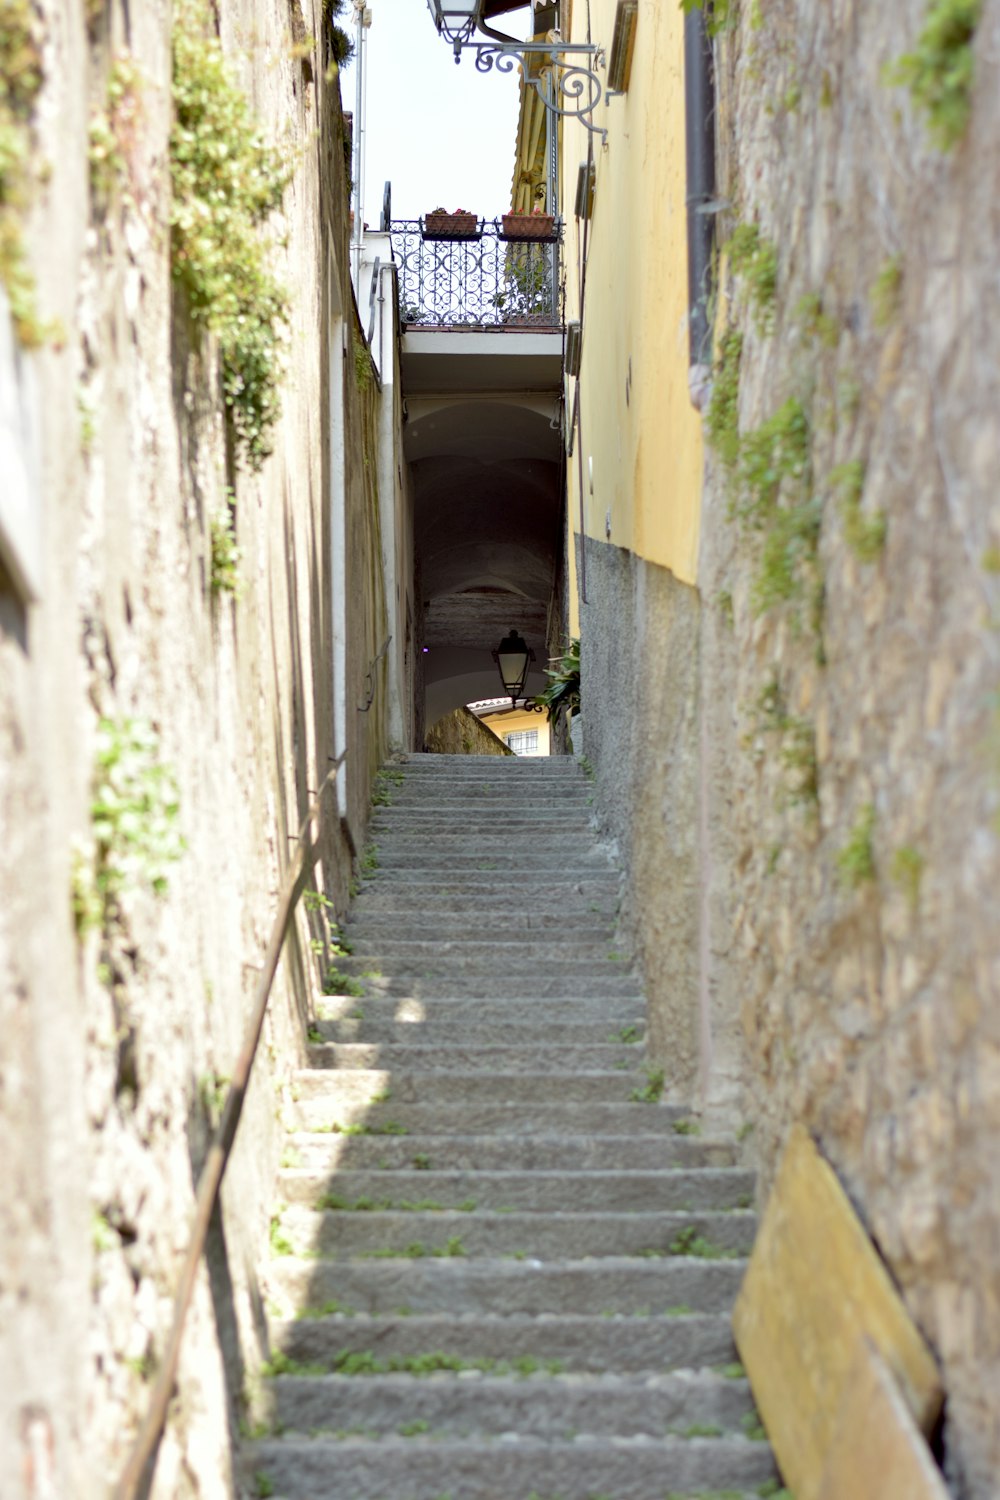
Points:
227	180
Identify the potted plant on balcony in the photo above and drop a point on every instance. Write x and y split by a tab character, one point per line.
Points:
439	224
526	296
538	225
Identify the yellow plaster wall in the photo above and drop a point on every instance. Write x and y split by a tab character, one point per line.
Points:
641	438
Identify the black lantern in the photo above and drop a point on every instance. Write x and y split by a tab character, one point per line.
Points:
512	657
563	74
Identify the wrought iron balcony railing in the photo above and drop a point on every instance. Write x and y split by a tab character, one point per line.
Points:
485	278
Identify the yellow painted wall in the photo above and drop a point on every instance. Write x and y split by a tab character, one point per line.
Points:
518	720
641	437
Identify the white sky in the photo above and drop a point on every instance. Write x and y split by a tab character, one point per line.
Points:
440	134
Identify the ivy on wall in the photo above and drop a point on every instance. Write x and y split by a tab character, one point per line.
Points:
227	180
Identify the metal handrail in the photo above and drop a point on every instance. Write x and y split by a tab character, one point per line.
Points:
210	1181
485	279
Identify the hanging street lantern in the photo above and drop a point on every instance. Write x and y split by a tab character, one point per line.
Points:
512	657
563	74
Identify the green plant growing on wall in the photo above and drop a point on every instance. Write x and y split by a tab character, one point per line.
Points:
886	290
789	549
226	181
863	533
134	836
362	364
773	497
226	556
907	871
114	128
722	420
797	753
940	70
20	84
856	860
775	453
563	690
754	259
816	321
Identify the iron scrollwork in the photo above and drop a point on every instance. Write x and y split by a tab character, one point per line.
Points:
577	88
490	281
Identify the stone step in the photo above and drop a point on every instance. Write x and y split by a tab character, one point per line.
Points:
485	1059
609	983
487	791
500	1015
479	892
476	951
528	1028
526	1119
444	817
360	1087
474	1190
539	1152
589	1404
553	924
509	860
542	1192
512	1469
535	1236
574	1343
619	1286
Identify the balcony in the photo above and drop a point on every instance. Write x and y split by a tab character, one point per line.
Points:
484	279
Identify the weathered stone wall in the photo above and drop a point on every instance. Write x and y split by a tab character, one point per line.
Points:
639	709
461	733
850	658
117	1043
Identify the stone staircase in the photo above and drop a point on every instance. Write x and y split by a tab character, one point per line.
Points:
503	1268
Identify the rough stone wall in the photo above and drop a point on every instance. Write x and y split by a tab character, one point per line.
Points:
461	733
117	1044
851	766
639	709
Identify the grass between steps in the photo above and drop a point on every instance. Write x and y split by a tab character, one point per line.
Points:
337	1203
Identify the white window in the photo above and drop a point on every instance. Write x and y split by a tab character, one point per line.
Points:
523	741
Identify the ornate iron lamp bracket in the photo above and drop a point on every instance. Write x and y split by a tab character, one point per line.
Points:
577	88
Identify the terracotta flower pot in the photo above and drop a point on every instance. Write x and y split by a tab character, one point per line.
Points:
529	226
450	226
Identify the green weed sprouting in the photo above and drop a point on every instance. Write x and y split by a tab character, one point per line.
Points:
226	555
940	70
755	261
20	84
115	127
815	321
886	290
226	182
856	860
134	836
863	533
653	1091
771	454
336	983
722	419
907	871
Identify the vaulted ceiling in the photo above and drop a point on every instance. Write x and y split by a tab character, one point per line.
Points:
487	477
